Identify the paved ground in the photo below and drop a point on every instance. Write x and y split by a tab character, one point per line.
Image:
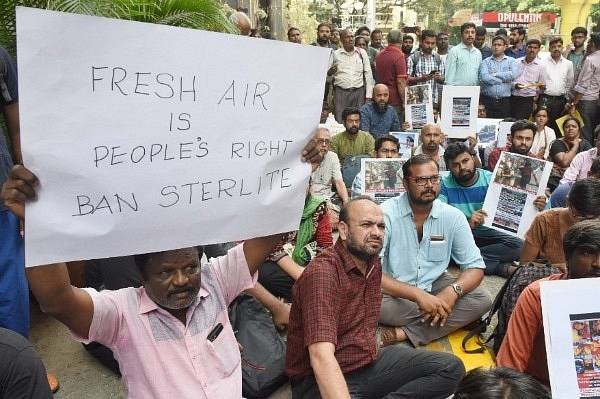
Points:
81	376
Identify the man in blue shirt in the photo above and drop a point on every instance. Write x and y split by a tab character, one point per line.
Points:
496	74
378	117
516	39
462	63
422	302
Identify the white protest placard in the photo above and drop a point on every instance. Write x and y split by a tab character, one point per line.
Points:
516	182
418	105
572	333
459	115
148	137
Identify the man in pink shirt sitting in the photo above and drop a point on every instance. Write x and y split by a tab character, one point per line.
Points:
171	337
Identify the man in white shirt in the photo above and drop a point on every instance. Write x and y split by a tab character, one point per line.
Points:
559	78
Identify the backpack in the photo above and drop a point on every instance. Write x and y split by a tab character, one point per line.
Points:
351	168
263	349
3	87
505	303
416	57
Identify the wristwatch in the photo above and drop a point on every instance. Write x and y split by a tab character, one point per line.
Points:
458	289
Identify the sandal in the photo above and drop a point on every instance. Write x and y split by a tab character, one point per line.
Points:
386	336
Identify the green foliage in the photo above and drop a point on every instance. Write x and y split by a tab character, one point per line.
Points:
195	14
297	14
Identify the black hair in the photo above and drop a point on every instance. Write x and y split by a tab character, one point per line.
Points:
358	38
579	29
386	137
467	25
292	29
583	235
538	109
349	111
454	150
584	196
500	383
501	32
522	124
361	29
571	118
141	261
408	37
519	29
533	41
555	39
418	159
428	33
500	37
480	31
595	38
322	24
376	31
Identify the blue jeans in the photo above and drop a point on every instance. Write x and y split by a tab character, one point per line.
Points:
398	372
497	249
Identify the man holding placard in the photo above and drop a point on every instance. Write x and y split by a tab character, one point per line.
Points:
521	133
176	326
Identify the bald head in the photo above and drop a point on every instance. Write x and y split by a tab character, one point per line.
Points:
381	96
242	21
431	137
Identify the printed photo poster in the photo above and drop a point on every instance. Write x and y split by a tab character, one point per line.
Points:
516	182
418	105
408	140
382	178
487	130
459	116
503	133
572	334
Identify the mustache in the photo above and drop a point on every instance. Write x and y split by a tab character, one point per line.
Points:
174	291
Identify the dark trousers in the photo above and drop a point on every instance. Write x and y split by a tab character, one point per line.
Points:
555	106
589	113
521	107
398	372
496	107
344	98
275	280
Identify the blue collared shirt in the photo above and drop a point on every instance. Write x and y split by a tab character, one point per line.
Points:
378	123
446	234
516	54
496	76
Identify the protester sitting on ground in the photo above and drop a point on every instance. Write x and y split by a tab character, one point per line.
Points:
521	132
500	383
431	138
558	199
544	238
378	117
352	141
286	262
329	174
523	347
580	165
422	301
386	146
563	150
331	352
465	188
22	373
144	326
494	144
544	136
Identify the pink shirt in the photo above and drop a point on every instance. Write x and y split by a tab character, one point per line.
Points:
158	355
580	166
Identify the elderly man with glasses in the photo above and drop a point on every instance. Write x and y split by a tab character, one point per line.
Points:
422	302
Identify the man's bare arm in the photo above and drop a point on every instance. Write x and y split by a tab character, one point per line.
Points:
328	374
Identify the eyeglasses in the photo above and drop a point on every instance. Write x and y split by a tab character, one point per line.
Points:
387	151
323	141
578	217
421	181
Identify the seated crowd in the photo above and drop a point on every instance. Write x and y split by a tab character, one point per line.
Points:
385	279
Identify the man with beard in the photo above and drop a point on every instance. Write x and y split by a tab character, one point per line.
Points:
422	302
516	39
521	133
462	64
377	117
431	138
523	347
352	77
376	39
465	189
323	36
426	66
332	351
575	51
442	45
352	141
407	45
559	78
175	327
386	146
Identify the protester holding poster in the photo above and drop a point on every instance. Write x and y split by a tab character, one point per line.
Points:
172	314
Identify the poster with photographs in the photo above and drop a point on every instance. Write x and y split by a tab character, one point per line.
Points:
407	140
572	334
459	111
382	178
418	109
516	182
503	133
487	130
